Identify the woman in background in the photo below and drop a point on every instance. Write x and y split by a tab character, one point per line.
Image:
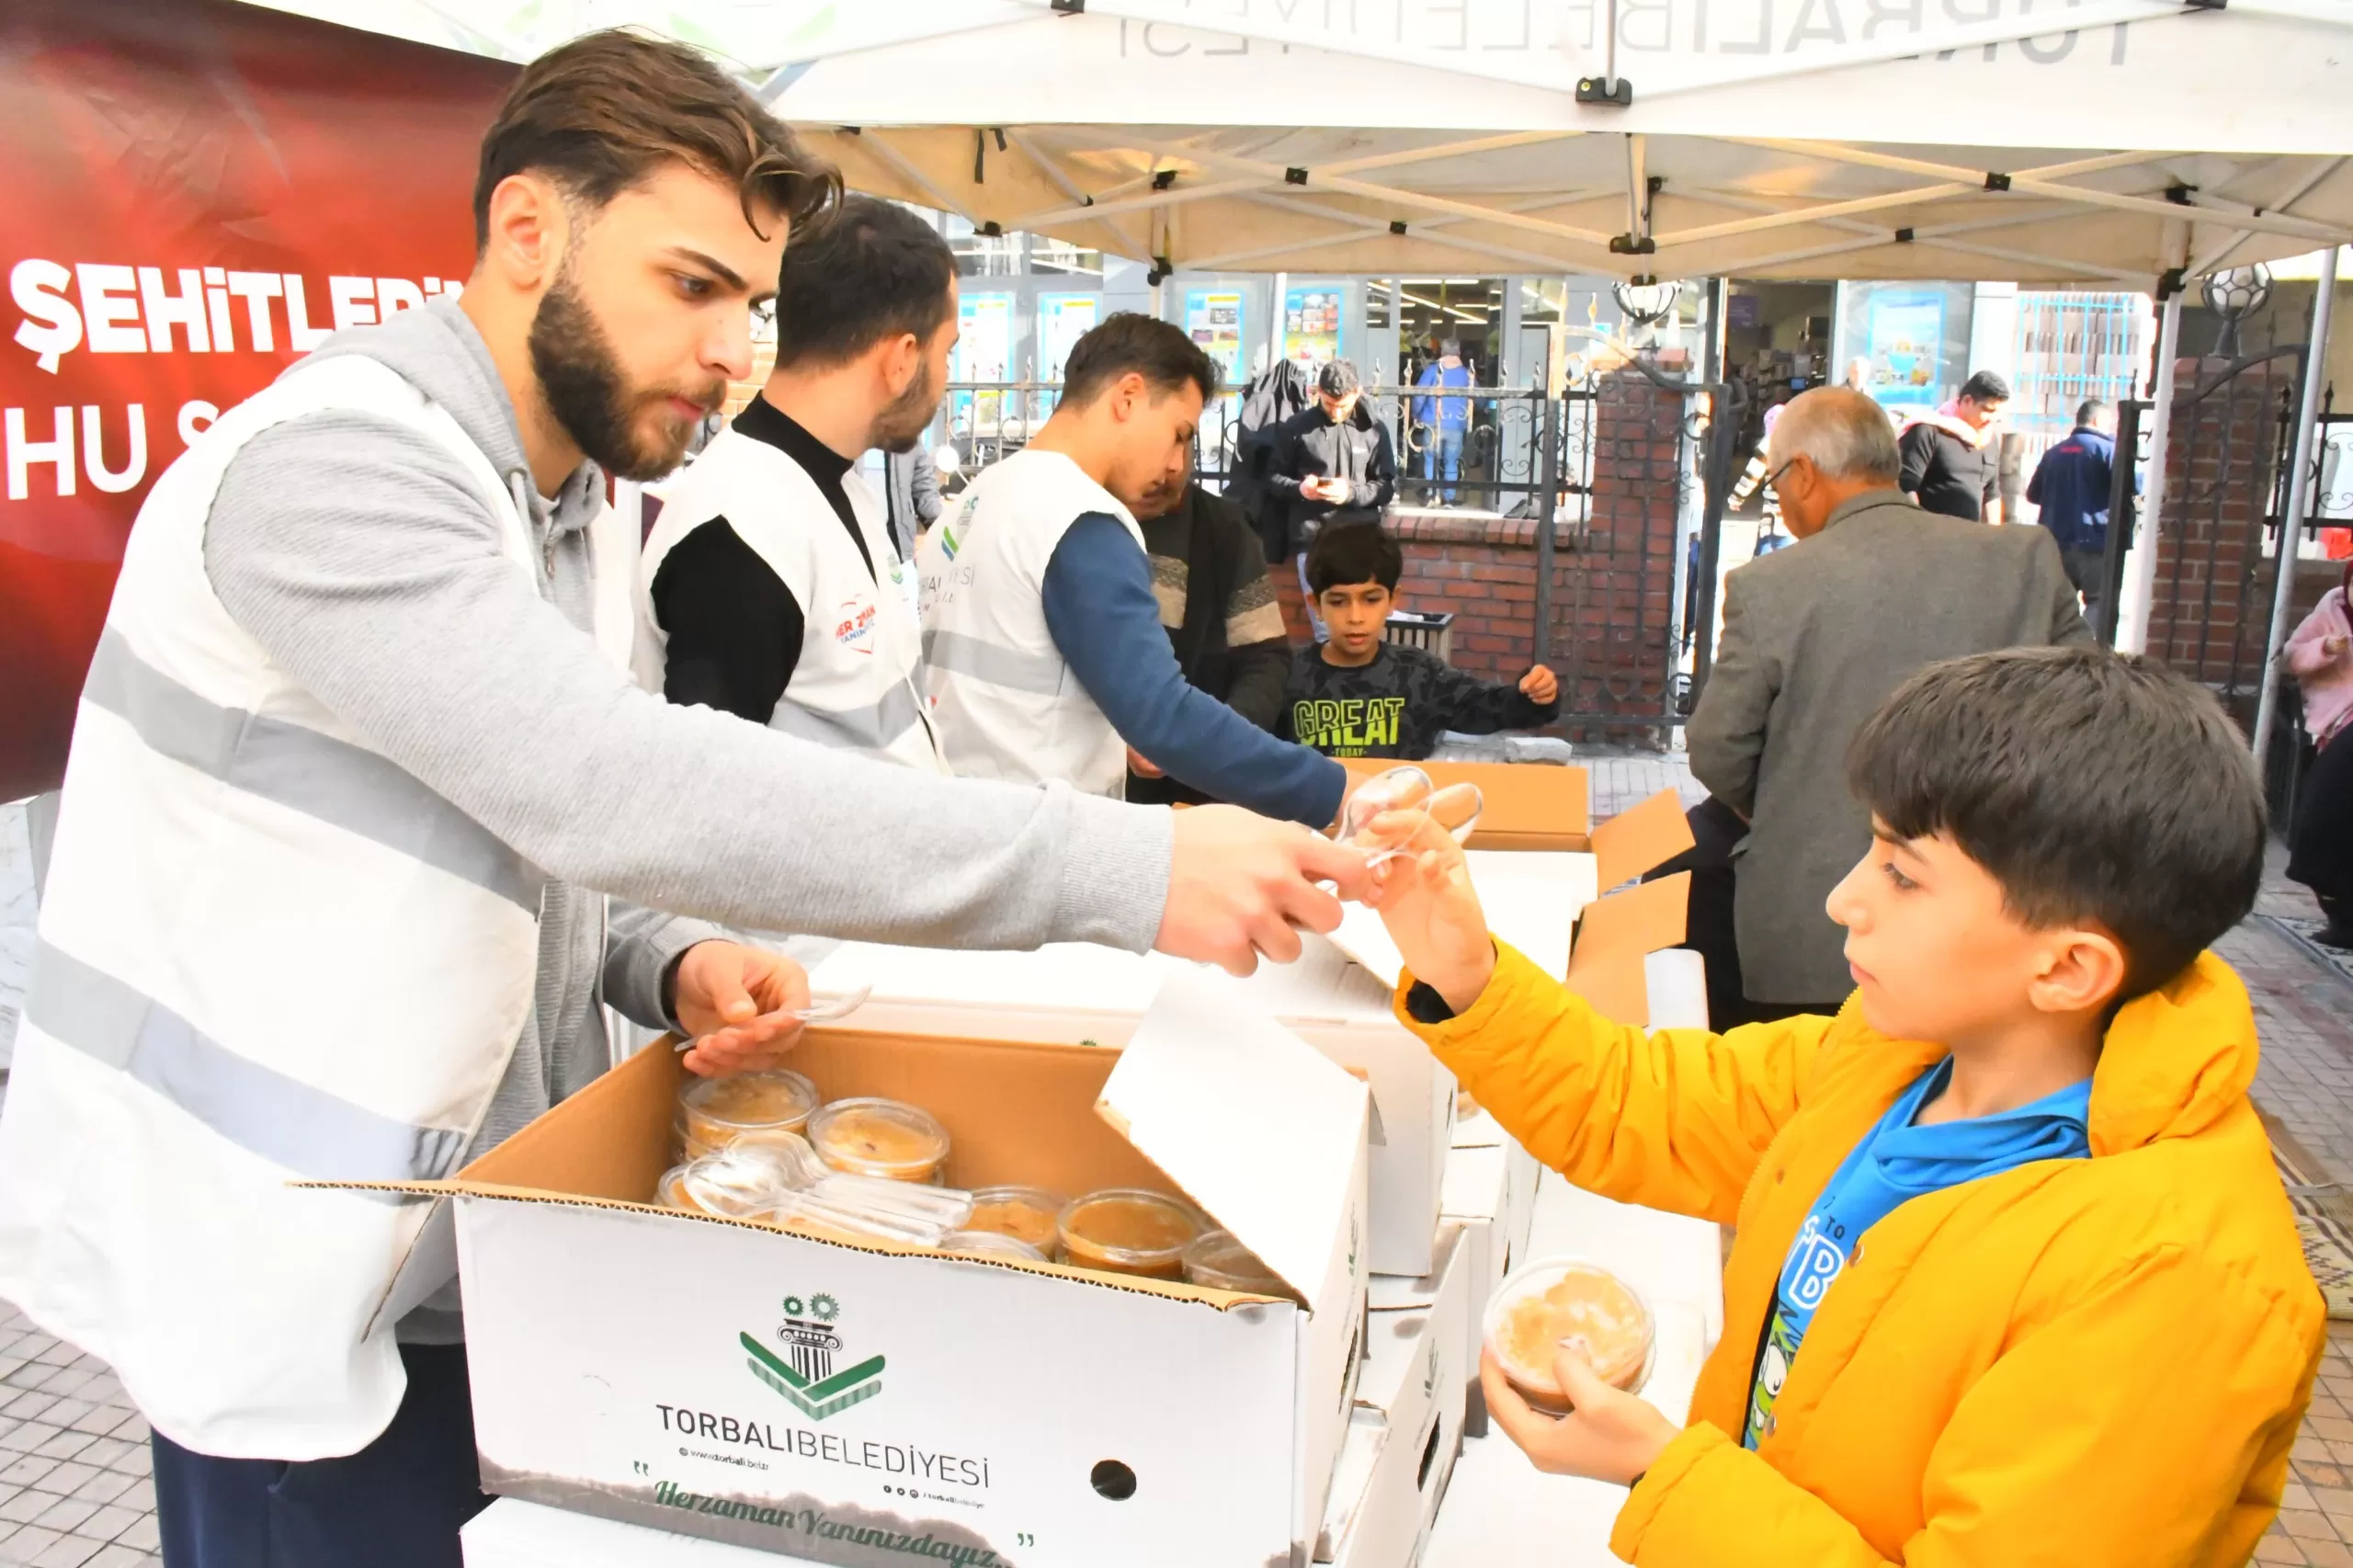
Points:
2320	842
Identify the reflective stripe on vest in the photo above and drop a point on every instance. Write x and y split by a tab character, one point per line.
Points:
1004	703
267	954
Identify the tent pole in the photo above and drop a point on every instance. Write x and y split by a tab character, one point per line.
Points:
2300	493
1275	321
2133	635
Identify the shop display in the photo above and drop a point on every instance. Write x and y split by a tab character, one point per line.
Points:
1217	1259
1030	1215
1128	1231
880	1138
1568	1300
991	1244
714	1112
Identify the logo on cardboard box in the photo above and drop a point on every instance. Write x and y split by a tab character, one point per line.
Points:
802	1370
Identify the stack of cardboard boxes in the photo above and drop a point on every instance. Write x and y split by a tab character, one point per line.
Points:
877	1405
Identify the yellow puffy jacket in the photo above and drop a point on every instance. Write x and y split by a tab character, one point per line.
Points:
2077	1362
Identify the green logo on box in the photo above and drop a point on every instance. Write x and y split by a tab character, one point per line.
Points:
802	1372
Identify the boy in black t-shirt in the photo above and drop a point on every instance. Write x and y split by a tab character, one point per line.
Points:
1356	696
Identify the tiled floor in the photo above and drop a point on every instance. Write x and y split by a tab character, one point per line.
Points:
74	1490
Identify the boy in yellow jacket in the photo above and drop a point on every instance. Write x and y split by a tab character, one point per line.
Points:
2014	1280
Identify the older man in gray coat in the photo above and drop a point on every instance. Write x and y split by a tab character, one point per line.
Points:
1816	637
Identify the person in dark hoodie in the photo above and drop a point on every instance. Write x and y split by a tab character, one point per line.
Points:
1332	462
1219	607
365	824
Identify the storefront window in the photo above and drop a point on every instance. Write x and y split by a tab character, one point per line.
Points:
1061	256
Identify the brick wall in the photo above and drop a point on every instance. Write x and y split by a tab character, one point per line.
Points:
2212	604
1613	582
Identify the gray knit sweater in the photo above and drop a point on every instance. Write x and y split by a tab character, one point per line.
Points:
368	565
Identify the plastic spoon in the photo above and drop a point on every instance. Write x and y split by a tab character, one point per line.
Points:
840	1007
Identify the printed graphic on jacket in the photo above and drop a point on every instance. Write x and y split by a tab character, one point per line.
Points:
1398	705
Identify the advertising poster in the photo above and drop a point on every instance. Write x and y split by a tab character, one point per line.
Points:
197	194
1213	321
1905	346
983	353
1312	324
1062	319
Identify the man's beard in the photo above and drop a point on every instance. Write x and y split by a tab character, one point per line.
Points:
902	424
582	382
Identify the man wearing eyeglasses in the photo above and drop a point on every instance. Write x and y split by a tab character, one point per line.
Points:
1814	638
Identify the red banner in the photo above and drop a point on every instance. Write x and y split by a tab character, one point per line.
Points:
196	193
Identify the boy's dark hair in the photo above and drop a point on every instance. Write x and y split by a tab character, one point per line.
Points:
605	111
1985	387
1338	377
875	270
1128	340
2092	786
1351	553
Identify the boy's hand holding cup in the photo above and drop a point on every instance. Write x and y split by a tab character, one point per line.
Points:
1426	899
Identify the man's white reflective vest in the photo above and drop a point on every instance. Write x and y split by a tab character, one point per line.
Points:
1003	700
267	955
854	686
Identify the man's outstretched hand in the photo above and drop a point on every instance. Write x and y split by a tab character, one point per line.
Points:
1241	885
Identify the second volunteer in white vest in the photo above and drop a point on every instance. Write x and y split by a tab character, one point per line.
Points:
770	587
1046	658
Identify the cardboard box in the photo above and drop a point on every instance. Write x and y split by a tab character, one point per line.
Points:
1524	805
1408	1425
511	1533
856	1404
1072	994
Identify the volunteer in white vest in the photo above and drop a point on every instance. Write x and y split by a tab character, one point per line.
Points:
771	587
364	818
1045	655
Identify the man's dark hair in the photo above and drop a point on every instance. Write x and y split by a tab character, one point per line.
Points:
601	114
2092	786
1338	377
2091	411
1128	340
875	270
1985	387
1350	554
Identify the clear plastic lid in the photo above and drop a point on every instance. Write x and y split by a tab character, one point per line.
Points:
713	1112
1030	1215
990	1244
1217	1259
880	1138
1571	1298
1128	1230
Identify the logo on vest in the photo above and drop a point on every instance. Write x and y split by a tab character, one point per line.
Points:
854	625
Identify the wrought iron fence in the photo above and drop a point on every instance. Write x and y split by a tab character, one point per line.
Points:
1516	453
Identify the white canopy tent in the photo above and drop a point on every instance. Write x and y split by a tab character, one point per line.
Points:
1943	138
2095	143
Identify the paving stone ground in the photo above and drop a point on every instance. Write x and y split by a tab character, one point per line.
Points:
75	1489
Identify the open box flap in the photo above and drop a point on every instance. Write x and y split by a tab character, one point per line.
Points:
1615	933
1258	1126
1640	838
1531	901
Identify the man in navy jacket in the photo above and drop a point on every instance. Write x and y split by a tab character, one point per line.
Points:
2071	486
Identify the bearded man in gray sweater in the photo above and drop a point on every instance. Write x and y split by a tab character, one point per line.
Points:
362	823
